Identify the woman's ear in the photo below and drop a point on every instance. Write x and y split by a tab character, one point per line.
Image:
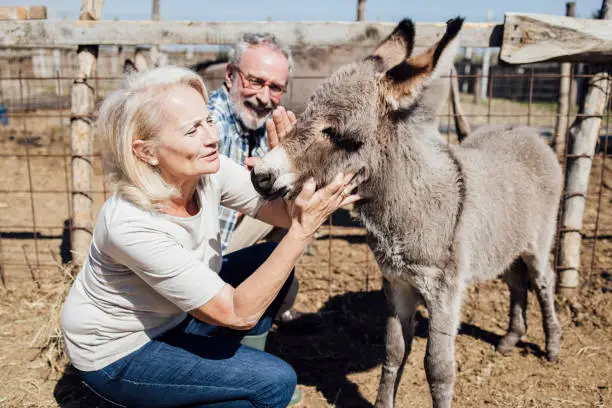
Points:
143	151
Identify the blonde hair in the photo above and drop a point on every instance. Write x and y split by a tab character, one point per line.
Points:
135	112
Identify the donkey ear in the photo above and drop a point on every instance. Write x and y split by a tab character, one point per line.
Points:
404	81
397	46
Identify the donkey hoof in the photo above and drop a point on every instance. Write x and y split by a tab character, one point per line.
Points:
506	345
504	350
552	356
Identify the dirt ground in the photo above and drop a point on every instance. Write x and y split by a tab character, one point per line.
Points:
340	365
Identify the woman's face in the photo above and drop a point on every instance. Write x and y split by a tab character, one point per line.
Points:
187	144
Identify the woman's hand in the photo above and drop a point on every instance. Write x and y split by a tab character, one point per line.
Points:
311	208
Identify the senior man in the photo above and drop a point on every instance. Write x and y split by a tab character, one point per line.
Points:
245	109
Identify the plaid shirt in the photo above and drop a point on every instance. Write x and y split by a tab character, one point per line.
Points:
234	141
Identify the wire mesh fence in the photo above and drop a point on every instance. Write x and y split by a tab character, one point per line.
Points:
35	157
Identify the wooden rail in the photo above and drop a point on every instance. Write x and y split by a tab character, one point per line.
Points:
50	34
524	38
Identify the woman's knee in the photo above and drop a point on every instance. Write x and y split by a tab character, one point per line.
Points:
286	376
278	383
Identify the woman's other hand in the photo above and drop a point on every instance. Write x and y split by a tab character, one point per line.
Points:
312	207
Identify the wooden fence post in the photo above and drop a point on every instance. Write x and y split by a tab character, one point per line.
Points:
83	103
361	10
477	83
57	68
154	56
467	70
583	139
486	70
560	133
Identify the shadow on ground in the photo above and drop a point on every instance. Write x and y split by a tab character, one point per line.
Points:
350	340
69	392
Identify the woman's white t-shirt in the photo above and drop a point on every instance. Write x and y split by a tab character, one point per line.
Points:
145	270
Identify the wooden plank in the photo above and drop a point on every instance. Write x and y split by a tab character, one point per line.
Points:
23	13
49	34
532	38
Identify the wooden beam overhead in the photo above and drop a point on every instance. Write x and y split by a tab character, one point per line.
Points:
49	34
530	38
523	38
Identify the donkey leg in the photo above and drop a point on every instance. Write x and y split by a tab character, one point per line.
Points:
517	279
543	279
444	315
401	303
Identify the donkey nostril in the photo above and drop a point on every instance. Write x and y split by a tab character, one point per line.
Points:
262	181
263	177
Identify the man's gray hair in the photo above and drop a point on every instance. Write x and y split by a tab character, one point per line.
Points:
252	39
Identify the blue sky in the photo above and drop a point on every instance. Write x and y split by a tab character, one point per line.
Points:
327	10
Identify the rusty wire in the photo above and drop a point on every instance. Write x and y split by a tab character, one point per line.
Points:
601	176
28	154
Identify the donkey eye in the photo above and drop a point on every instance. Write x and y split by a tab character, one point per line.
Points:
344	143
331	133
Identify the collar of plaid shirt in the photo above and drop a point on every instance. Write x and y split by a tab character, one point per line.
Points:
236	142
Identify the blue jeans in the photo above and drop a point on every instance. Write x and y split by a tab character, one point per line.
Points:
197	364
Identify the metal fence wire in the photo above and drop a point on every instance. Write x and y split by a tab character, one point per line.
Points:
35	156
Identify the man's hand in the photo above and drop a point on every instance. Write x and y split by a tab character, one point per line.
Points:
279	126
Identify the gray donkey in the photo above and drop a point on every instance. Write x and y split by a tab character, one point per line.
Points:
439	217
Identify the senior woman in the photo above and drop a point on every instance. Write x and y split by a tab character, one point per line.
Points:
156	316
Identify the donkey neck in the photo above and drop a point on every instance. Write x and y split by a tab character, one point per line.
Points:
415	195
417	165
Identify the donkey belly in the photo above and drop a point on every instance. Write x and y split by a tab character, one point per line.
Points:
512	190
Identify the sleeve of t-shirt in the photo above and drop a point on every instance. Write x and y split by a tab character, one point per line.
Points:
159	260
237	191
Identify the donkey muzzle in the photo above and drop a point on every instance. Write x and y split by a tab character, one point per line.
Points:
263	180
268	184
272	177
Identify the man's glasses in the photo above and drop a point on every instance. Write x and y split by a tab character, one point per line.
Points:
256	83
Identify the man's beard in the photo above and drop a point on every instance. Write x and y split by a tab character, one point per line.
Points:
242	108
